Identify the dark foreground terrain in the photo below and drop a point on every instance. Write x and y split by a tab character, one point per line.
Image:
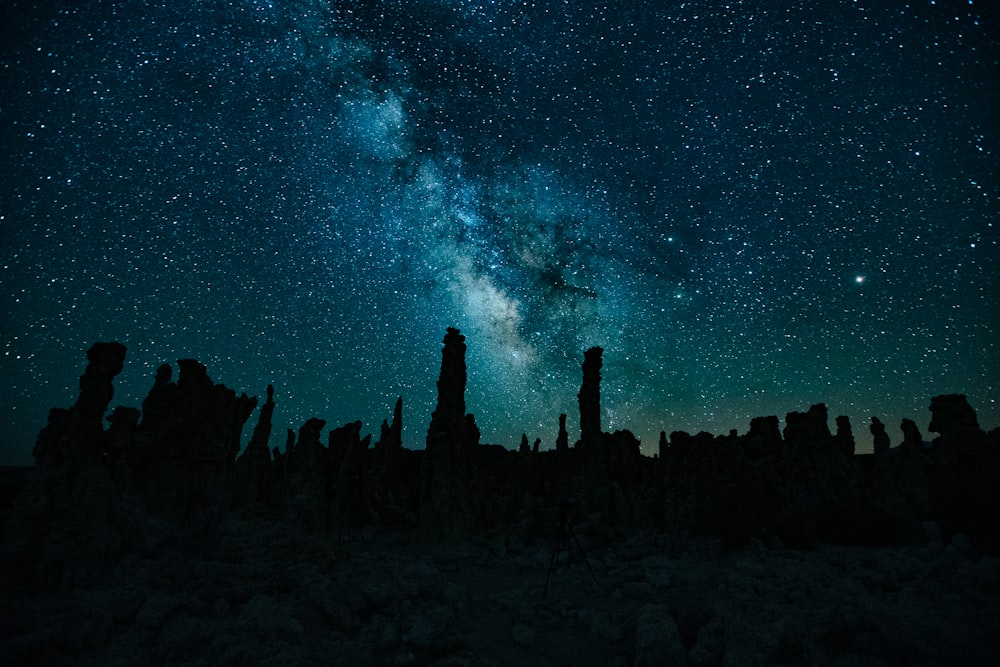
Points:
264	597
160	538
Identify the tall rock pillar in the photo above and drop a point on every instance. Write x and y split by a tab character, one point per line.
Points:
447	467
590	398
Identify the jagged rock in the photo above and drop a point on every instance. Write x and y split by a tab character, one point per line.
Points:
392	489
391	437
262	431
186	446
524	449
255	476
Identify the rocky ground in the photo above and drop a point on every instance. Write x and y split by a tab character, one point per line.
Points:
264	597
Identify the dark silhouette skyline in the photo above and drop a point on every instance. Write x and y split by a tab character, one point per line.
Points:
182	458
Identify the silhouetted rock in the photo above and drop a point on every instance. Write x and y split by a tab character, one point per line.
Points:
446	433
308	471
350	487
912	440
910	483
68	516
255	476
590	398
391	437
167	479
80	430
844	438
309	451
808	429
880	437
96	390
445	503
964	493
764	437
393	486
955	420
186	447
624	458
562	440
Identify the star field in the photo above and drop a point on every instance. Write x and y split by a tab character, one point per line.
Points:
751	206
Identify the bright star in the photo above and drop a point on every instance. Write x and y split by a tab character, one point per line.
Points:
859	279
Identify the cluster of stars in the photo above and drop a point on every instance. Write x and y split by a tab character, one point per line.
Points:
751	208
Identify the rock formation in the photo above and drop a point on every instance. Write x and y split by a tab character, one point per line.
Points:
307	470
562	440
590	398
808	430
445	504
392	488
79	431
349	488
70	514
170	475
186	446
255	478
913	442
446	433
954	419
844	438
391	437
964	493
764	437
880	437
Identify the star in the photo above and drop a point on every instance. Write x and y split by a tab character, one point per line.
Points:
307	197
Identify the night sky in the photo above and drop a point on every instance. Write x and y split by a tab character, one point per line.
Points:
751	206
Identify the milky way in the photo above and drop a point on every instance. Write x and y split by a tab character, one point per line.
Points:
752	207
